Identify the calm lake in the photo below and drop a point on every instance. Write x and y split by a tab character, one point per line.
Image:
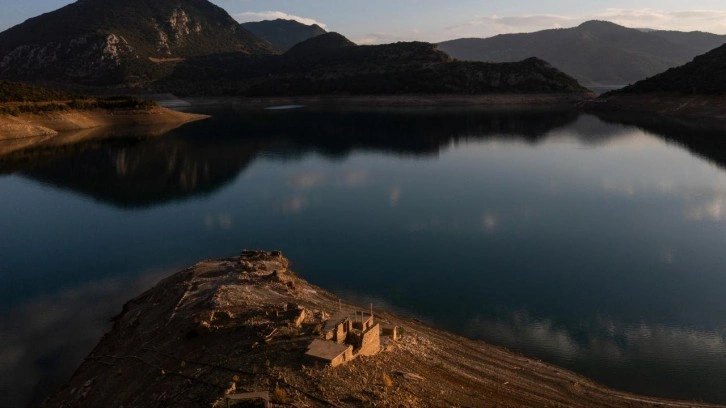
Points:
587	243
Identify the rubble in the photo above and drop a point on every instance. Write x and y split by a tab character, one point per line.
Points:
227	329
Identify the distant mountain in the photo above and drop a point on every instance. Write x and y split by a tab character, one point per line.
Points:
331	64
705	75
696	90
115	41
595	53
283	34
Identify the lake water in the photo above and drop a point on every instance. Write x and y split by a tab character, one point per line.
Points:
593	245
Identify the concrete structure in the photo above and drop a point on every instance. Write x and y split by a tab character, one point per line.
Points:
261	398
392	331
345	337
330	352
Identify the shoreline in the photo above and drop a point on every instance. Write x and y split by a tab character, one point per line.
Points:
233	325
30	129
708	108
503	101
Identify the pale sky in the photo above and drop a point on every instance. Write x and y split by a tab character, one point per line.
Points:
381	21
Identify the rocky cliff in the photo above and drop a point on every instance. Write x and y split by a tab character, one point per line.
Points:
119	41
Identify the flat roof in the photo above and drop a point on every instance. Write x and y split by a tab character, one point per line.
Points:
326	350
335	319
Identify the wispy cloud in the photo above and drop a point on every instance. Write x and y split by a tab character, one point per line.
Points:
248	16
686	20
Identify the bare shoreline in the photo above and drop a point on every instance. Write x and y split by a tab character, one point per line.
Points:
27	125
30	129
219	328
709	108
502	101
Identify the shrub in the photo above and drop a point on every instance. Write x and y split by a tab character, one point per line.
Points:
387	381
279	396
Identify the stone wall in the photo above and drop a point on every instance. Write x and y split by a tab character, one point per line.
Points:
371	341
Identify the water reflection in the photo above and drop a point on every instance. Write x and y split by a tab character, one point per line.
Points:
604	346
46	338
589	243
702	137
202	157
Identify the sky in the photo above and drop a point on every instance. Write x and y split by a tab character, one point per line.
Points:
383	21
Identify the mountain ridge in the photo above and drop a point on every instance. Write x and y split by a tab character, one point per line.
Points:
595	52
694	90
330	64
701	76
119	41
283	34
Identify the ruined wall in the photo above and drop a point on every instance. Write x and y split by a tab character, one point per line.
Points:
341	332
343	358
371	341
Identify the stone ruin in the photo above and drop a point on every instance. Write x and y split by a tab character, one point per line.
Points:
346	336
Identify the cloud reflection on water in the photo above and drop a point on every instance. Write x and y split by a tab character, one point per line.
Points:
46	338
689	354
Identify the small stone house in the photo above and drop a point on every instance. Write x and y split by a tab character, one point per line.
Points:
345	337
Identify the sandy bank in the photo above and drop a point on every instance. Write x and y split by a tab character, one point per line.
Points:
234	325
709	107
37	127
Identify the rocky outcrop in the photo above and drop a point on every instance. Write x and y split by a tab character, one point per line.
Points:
93	58
120	41
230	326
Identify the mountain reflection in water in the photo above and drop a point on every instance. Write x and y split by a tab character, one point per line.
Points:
202	157
593	244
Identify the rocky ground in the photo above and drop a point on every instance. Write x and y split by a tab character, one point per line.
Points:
31	128
229	326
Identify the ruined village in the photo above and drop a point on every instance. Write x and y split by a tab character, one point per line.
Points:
247	331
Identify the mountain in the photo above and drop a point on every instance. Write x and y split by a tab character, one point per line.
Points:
694	90
330	64
120	41
705	75
595	52
283	34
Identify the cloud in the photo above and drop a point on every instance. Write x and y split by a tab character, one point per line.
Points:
394	196
608	340
46	338
714	209
687	20
354	178
385	38
222	221
490	222
307	180
295	205
248	16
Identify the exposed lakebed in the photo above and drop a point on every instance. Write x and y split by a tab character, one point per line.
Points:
592	245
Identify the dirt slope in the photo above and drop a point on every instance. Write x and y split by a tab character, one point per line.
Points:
228	326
